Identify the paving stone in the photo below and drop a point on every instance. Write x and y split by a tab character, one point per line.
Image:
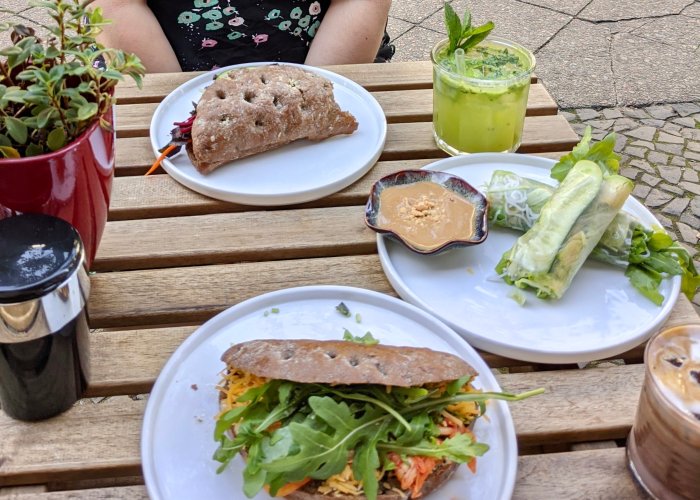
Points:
674	149
605	10
611	113
695	207
569	6
397	27
664	137
691	220
672	79
580	52
688	234
687	121
679	31
587	114
601	124
665	221
694	165
641	191
656	158
692	155
653	122
693	146
677	160
657	198
579	128
672	128
672	189
620	141
416	43
651	180
622	124
687	108
691	133
661	112
637	113
598	135
671	174
676	206
644	133
624	159
644	144
690	175
415	11
643	165
630	172
569	116
633	151
690	186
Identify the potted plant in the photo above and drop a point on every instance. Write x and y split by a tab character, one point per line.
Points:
57	138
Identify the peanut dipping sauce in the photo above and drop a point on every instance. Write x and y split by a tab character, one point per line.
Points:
675	364
425	214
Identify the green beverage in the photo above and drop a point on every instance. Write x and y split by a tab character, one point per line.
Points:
479	102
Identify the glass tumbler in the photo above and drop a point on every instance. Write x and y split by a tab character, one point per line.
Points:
663	448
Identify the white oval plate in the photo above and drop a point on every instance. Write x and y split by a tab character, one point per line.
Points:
298	172
177	438
600	315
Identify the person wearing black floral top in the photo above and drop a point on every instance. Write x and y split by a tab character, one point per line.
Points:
189	35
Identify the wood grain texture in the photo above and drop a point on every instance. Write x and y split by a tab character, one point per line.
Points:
128	361
139	197
599	474
405	141
235	237
193	294
102	439
134	120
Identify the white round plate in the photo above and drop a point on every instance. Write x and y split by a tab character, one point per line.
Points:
600	315
298	172
177	438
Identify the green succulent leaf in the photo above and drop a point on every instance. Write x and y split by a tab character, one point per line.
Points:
87	111
56	139
9	152
16	129
34	150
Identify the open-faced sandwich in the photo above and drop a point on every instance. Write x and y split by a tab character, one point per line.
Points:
335	419
253	109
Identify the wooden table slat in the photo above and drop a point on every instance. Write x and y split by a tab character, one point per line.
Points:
134	120
139	197
405	141
102	439
374	77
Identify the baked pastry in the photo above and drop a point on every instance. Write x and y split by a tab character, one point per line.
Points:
254	109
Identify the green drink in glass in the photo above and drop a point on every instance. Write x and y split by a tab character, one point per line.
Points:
480	90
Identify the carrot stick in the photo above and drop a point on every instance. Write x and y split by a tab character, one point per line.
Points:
162	157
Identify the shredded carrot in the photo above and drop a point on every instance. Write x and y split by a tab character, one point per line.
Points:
162	157
472	465
291	487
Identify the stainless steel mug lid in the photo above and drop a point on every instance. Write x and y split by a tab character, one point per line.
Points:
43	282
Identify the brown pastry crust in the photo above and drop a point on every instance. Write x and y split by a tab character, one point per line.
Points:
258	108
342	362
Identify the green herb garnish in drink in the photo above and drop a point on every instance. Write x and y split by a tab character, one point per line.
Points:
480	88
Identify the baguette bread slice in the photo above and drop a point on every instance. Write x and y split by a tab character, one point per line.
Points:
342	362
254	109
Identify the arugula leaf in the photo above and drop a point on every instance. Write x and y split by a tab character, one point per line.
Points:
602	153
460	448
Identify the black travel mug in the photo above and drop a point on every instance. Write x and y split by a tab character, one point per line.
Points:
44	288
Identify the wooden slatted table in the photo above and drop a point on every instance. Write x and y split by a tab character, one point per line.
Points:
153	289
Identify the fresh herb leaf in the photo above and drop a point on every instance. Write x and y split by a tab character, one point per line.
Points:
366	339
343	309
602	153
461	34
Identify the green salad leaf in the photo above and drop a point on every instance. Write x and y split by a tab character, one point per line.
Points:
602	152
366	339
292	431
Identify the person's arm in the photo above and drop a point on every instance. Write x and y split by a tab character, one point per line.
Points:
351	32
135	29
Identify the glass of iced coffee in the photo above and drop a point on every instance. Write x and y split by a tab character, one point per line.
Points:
664	446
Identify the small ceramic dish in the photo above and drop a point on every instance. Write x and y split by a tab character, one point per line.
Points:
428	211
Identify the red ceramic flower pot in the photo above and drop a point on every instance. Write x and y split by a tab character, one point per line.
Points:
73	183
